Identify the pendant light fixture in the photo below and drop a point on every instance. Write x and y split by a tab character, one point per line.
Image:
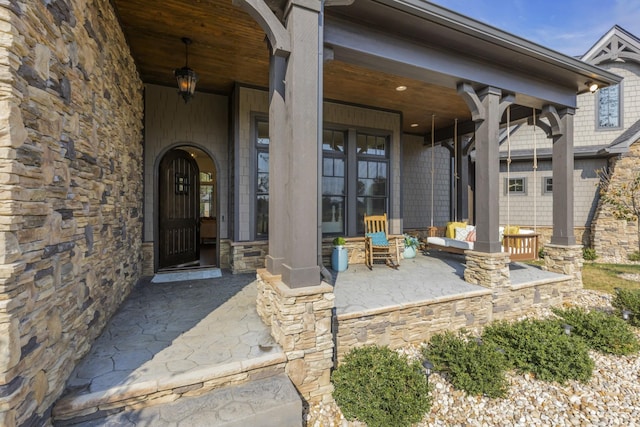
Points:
185	76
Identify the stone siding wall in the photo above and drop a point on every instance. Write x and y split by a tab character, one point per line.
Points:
301	321
247	257
612	238
70	192
412	323
416	323
225	253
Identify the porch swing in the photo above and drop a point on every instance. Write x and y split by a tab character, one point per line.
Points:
521	244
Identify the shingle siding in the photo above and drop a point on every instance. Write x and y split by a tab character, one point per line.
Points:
416	183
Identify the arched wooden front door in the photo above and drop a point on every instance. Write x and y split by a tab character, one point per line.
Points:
178	209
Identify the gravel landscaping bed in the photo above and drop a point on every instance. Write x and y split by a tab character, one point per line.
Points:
610	398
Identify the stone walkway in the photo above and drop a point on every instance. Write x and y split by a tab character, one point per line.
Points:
172	335
267	402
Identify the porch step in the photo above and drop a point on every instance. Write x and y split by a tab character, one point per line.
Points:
231	391
266	402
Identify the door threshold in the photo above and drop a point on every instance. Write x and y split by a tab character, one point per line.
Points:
180	275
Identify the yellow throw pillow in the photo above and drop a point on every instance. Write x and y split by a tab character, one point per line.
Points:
513	229
451	229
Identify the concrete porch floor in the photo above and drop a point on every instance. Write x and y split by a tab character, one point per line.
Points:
172	336
427	277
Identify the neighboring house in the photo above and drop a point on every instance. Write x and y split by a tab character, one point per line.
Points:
106	175
606	127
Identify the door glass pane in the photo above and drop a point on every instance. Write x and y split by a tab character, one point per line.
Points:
263	173
333	182
333	215
262	216
263	133
332	186
206	201
333	140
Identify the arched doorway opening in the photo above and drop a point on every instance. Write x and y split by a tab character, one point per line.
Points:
187	206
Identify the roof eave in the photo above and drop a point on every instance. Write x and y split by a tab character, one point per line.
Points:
477	29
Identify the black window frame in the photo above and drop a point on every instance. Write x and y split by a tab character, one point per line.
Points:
259	148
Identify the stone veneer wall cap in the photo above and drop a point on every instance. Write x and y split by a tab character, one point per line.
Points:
413	304
250	243
560	278
288	292
487	254
551	245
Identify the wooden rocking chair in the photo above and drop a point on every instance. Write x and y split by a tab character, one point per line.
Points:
377	245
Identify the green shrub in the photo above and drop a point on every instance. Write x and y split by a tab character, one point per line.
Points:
472	366
541	253
589	254
381	388
601	331
542	348
628	299
635	256
339	241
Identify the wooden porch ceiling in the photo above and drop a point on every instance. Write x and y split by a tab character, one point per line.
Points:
229	46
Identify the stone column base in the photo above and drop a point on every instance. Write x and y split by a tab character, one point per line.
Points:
490	270
300	320
565	260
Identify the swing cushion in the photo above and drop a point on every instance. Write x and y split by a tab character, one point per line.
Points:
451	229
514	229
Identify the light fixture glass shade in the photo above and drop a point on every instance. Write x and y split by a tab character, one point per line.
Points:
187	79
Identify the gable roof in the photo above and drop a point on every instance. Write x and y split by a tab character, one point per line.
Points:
617	44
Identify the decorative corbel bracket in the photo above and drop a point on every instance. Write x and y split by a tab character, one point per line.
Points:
551	114
276	32
468	94
505	102
542	125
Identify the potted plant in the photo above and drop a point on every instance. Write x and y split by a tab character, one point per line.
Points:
339	257
410	246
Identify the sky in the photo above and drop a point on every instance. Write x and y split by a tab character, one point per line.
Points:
571	27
